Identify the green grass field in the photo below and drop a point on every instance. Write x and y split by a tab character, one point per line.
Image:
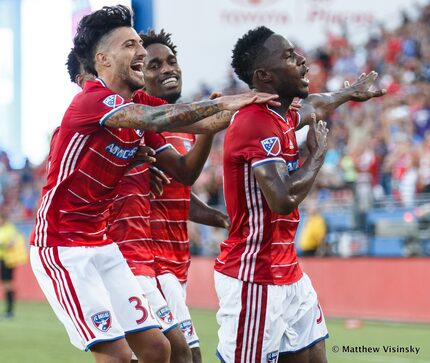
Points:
36	336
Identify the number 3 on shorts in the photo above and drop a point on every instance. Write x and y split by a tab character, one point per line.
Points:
139	307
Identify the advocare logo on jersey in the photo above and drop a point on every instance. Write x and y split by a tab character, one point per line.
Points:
121	152
255	2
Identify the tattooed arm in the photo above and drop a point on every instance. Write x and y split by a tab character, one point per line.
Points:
209	125
170	117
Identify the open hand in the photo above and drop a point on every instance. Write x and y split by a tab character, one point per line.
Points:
157	181
317	138
361	89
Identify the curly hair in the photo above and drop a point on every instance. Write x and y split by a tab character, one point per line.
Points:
93	27
73	65
151	37
247	51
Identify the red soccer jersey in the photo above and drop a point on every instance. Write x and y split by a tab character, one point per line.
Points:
260	246
129	224
169	216
87	160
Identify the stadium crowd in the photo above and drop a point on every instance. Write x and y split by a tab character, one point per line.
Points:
377	150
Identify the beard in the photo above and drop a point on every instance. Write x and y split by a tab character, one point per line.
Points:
172	97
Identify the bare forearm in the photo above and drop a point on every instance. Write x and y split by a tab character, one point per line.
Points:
201	213
162	118
284	191
192	162
209	125
322	104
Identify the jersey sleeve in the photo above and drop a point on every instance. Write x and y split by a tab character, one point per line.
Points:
258	138
156	141
145	99
92	108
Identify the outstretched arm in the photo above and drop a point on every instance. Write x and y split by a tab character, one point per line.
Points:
170	117
201	213
323	104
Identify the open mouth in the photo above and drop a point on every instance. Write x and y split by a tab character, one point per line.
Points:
170	82
305	80
137	68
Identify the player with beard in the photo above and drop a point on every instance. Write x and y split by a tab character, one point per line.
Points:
269	310
171	210
81	271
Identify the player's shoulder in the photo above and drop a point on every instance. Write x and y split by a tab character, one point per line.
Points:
145	99
251	116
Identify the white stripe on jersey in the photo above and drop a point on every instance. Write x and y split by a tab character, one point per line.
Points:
136	173
286	265
169	220
104	157
285	220
118	138
84	214
94	179
131	195
170	200
71	154
172	261
169	241
78	196
102	231
134	240
131	217
178	137
256	227
282	243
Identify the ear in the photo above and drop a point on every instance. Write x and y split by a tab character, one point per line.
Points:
102	59
262	75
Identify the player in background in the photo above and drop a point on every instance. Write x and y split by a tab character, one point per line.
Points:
129	223
269	310
171	210
82	273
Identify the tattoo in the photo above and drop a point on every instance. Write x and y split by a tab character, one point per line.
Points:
162	118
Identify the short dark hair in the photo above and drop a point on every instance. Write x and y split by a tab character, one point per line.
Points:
247	52
151	37
73	64
93	27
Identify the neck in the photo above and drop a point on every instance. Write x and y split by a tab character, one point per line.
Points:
117	85
285	101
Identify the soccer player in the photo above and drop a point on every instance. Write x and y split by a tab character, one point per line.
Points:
268	307
129	223
171	210
82	273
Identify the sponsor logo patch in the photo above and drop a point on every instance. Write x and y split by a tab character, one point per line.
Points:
272	357
102	321
271	146
165	314
113	101
120	152
187	328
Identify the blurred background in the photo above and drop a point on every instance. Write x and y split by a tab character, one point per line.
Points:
365	231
